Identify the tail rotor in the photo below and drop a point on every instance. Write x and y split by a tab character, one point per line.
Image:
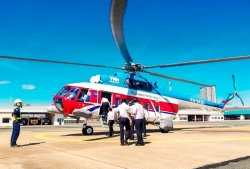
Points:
231	96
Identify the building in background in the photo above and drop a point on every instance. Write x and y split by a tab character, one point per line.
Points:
31	115
208	93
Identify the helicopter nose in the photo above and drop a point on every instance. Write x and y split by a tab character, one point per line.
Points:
53	110
58	103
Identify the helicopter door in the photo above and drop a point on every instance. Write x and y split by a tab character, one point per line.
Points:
149	115
107	95
157	113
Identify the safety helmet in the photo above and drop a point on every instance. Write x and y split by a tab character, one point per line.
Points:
18	101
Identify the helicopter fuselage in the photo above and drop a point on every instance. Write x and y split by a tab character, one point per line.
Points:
158	103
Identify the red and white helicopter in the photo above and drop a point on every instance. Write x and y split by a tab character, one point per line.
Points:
160	106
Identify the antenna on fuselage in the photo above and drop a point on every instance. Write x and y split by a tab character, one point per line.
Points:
170	86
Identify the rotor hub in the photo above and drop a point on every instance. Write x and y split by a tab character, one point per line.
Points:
133	68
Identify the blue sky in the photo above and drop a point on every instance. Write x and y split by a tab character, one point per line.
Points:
156	32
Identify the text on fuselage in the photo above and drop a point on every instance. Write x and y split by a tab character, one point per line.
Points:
113	79
197	101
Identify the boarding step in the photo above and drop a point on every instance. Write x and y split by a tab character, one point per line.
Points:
103	121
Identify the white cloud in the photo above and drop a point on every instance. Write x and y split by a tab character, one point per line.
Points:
28	87
4	82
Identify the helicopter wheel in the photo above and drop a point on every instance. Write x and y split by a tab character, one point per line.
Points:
163	131
88	130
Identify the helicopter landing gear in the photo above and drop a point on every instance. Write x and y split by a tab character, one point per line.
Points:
163	130
165	126
87	130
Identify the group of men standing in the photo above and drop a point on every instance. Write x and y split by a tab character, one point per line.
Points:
130	116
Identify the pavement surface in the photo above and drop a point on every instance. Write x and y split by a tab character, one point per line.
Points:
191	145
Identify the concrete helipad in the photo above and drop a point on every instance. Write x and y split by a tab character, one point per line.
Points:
190	145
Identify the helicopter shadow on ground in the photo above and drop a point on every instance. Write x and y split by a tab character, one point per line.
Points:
31	144
184	128
116	134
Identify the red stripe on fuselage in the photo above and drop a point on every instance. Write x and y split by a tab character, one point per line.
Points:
164	106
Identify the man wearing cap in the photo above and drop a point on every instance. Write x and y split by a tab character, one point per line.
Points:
139	114
16	116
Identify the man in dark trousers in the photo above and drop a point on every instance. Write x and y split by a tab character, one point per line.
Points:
104	107
138	112
16	116
124	120
132	126
110	120
144	126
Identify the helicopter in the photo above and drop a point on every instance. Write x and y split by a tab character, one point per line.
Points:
160	106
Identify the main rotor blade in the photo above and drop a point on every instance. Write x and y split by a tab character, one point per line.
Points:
56	62
199	62
174	78
116	19
240	99
234	82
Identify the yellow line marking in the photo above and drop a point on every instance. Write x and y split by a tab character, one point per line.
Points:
42	136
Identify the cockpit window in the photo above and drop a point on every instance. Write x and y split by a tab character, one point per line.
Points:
73	93
83	95
65	91
136	84
60	91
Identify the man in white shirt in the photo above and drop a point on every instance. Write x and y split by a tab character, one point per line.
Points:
124	120
139	115
104	107
132	126
110	120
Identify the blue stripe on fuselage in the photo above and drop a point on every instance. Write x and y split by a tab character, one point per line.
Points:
96	107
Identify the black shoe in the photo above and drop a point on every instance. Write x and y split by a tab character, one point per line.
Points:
122	145
126	143
137	144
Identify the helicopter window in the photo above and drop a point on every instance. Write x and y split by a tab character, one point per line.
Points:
82	96
92	96
73	93
117	102
157	108
65	91
127	101
146	106
60	90
136	84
